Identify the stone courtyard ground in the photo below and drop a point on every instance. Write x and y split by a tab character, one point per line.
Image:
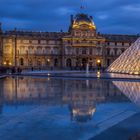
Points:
125	130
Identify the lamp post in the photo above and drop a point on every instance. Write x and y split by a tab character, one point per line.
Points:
98	62
7	65
49	63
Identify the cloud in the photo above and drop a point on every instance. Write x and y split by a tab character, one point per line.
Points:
132	8
102	16
111	16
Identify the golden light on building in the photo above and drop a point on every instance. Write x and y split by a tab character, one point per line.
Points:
136	73
83	19
7	63
98	61
10	63
4	63
71	49
89	25
48	60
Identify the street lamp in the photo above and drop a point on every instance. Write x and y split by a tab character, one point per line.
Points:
98	62
49	63
7	65
48	60
10	64
4	63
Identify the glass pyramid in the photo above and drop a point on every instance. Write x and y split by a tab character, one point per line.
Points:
129	61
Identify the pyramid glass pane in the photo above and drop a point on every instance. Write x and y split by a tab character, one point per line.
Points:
129	61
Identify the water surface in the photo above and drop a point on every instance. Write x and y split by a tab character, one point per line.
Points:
48	108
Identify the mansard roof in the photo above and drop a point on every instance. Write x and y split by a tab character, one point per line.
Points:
49	35
83	18
120	38
60	35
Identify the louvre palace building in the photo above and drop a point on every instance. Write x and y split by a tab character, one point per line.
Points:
81	45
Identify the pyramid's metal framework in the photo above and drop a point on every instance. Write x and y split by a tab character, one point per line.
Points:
129	61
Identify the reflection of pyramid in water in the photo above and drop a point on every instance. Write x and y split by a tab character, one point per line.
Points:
129	61
130	89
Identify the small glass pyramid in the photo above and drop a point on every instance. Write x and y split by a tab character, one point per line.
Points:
129	61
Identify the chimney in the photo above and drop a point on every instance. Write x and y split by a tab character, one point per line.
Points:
15	29
91	17
71	17
0	27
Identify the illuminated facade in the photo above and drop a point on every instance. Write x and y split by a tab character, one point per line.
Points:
1	52
129	61
82	44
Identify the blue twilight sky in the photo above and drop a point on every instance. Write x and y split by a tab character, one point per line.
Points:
110	16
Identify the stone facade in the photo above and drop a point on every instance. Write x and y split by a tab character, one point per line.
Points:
82	44
1	52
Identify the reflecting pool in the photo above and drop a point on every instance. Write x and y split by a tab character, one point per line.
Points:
48	108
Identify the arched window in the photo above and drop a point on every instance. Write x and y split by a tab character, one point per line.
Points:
119	52
112	52
108	51
30	62
48	61
84	51
90	51
77	41
108	62
69	42
39	50
68	62
30	50
77	50
21	61
39	62
84	62
55	62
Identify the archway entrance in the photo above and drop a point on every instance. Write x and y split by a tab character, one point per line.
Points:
84	62
21	61
56	62
68	63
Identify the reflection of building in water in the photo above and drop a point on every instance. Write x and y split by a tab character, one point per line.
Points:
82	109
29	90
130	89
1	95
83	95
80	95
